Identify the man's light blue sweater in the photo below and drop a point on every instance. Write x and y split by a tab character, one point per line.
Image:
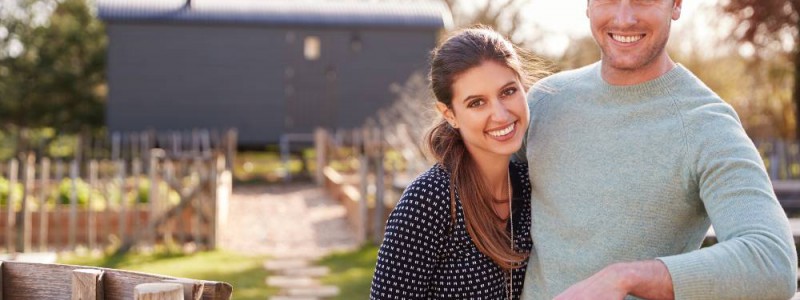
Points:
628	173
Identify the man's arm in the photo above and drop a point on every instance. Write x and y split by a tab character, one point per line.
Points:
756	256
644	279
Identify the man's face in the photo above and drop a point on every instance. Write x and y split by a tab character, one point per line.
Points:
632	34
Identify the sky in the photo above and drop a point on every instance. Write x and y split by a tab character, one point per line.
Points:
566	19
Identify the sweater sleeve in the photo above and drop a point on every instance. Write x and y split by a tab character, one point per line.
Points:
415	232
755	257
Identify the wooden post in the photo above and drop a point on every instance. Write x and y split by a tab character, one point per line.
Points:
192	289
169	176
73	204
136	207
61	235
379	185
116	141
13	168
219	176
153	196
230	148
360	138
377	159
205	141
158	291
92	217
197	206
43	195
320	143
87	284
122	220
24	232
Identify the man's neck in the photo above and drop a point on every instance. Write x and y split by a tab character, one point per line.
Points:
655	69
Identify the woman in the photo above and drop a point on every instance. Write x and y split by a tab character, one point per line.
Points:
461	229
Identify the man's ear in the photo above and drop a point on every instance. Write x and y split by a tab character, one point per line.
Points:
676	9
447	113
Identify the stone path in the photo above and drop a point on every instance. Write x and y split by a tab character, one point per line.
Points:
295	225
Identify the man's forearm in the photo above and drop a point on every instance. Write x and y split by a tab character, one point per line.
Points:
645	279
648	279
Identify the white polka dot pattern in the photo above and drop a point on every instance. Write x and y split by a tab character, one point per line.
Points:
422	257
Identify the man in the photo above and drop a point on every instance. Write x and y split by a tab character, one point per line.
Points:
631	159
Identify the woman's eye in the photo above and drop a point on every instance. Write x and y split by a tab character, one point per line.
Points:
509	91
475	103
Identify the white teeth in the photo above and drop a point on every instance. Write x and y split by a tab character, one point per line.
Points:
626	38
504	131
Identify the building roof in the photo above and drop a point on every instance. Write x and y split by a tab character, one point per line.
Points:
346	13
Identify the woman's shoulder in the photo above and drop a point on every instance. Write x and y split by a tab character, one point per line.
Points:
427	196
431	189
434	178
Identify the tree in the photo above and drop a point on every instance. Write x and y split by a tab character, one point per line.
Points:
505	16
770	27
52	72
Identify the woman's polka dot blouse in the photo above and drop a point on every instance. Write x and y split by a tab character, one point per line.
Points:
423	256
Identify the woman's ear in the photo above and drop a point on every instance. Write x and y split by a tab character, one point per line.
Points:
447	113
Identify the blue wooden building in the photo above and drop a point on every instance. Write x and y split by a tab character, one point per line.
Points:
265	67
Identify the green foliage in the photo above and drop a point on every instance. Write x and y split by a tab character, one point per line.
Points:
52	73
245	273
82	193
5	189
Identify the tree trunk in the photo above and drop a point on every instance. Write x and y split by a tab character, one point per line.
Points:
796	92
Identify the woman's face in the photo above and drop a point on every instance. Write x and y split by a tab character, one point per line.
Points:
489	110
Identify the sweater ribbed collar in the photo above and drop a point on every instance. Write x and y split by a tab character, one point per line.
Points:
654	87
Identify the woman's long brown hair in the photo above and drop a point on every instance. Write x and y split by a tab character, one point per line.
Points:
462	51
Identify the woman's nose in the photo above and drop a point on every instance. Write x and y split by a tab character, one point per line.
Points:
500	112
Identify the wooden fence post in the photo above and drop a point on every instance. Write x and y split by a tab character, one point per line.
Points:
24	231
87	284
44	193
169	176
92	217
158	291
320	140
360	139
61	235
13	168
231	138
153	196
73	204
122	220
380	187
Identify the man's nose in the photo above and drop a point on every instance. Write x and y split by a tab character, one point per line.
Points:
625	14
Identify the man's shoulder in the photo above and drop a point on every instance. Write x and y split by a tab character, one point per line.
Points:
565	77
694	97
558	83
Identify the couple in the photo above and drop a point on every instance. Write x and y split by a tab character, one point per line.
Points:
628	162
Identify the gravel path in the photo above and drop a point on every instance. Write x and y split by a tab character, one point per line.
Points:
296	220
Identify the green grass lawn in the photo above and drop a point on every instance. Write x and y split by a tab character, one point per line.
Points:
351	272
245	273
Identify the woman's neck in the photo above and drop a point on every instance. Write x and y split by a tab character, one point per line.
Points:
494	170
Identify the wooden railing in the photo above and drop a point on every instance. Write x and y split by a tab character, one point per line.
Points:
22	281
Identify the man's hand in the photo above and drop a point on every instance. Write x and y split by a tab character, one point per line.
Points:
645	279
